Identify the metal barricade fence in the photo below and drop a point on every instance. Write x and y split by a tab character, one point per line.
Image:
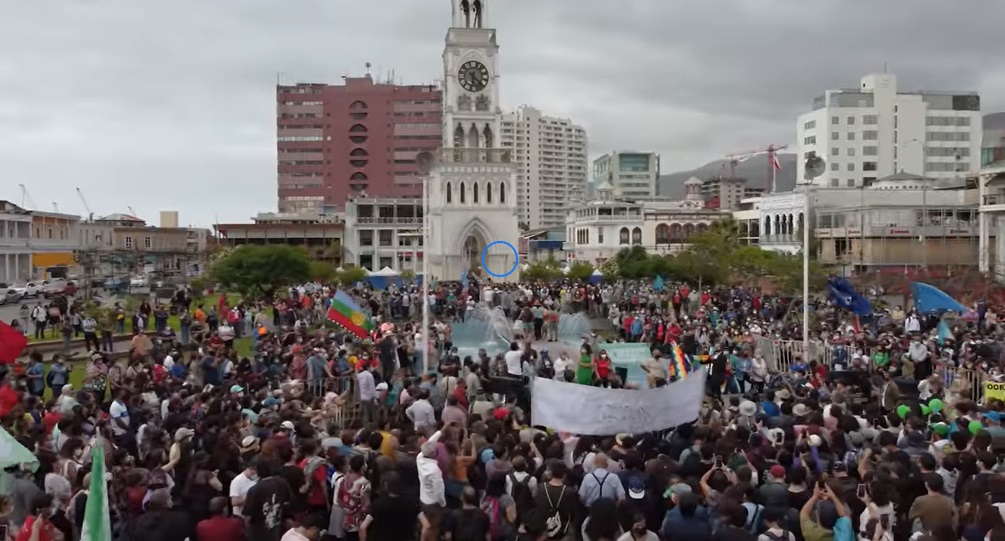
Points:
780	354
346	413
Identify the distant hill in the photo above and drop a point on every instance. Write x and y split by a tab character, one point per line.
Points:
755	170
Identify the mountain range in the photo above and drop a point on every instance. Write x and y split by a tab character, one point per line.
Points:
754	169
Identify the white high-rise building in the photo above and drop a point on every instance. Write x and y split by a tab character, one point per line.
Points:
873	131
632	174
551	158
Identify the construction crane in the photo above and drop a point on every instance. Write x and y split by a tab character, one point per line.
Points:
87	207
773	164
26	198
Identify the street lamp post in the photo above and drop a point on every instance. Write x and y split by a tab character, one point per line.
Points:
814	167
425	161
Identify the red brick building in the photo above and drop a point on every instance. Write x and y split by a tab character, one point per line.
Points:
337	141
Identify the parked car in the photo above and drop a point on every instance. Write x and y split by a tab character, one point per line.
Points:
116	285
60	288
139	281
4	291
31	289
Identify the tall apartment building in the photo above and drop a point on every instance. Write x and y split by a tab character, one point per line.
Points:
551	158
360	137
874	131
726	193
632	174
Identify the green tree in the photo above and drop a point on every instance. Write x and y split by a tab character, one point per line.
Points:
260	270
350	276
580	270
323	272
544	269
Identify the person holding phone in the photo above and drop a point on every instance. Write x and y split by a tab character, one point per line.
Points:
37	526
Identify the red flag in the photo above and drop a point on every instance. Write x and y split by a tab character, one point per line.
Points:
12	343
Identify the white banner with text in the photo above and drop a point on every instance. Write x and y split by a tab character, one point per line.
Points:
596	411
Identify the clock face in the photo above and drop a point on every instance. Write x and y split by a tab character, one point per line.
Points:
473	76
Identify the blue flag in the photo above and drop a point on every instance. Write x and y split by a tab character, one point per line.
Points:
844	295
658	283
928	298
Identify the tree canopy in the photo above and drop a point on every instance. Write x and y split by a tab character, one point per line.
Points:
254	270
716	256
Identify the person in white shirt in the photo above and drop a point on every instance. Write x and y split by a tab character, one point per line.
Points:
520	475
119	414
367	394
514	366
432	491
240	486
421	412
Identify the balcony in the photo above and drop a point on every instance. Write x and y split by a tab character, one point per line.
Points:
388	221
993	199
476	155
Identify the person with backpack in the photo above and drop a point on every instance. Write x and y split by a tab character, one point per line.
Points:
601	483
353	497
500	508
773	518
558	501
521	486
469	523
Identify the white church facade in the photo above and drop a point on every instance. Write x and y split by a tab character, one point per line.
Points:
472	185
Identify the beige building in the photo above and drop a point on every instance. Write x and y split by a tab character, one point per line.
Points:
123	243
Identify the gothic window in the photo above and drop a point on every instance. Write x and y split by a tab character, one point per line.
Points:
458	137
800	222
767	225
488	192
662	234
487	136
472	137
502	192
637	235
688	230
474	193
623	235
464	103
450	193
462	193
482	103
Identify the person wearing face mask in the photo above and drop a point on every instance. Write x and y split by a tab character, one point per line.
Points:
240	486
585	370
639	531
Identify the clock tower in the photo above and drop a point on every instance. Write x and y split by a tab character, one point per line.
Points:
472	188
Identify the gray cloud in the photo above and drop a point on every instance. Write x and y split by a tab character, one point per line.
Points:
171	106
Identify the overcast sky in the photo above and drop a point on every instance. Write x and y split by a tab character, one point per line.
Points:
171	105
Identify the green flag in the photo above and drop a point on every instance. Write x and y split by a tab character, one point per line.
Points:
97	522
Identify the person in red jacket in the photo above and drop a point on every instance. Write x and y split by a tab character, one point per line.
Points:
219	526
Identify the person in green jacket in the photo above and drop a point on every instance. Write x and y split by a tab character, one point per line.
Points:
585	370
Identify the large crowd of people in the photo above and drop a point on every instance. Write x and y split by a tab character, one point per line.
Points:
315	434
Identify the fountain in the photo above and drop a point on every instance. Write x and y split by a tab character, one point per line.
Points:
572	327
483	327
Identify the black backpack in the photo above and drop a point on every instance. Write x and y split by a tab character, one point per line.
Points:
522	495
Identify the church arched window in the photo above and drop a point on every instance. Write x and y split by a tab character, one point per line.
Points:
488	192
474	193
450	193
462	194
623	235
502	192
637	235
